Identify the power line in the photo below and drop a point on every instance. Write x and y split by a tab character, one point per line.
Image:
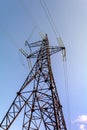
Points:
49	17
67	93
30	17
53	26
13	41
32	32
11	38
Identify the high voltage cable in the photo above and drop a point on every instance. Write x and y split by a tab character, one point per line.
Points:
49	17
35	24
53	26
67	92
13	41
30	17
11	38
32	32
28	14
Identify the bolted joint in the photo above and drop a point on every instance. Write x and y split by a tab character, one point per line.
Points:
32	110
60	106
34	90
45	108
18	93
51	87
46	80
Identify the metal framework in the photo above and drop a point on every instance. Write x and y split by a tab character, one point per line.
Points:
38	95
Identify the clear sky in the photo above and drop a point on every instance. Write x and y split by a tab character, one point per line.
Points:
18	19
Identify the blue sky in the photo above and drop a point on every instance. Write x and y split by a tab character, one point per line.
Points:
17	20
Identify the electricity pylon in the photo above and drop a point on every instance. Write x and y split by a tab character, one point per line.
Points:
38	95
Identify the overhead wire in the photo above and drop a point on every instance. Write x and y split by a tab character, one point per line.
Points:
49	17
30	17
22	61
54	28
26	43
35	24
14	42
32	32
11	38
29	60
47	12
67	93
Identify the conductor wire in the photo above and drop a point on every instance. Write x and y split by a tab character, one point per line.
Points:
67	92
11	38
49	17
30	17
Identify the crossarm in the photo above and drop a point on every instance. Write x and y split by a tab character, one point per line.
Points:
55	49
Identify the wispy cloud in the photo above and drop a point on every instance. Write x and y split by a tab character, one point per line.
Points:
81	118
82	122
82	127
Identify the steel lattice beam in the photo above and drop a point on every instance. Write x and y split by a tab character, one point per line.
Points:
38	95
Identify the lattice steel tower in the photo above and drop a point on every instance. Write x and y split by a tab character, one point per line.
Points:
38	95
